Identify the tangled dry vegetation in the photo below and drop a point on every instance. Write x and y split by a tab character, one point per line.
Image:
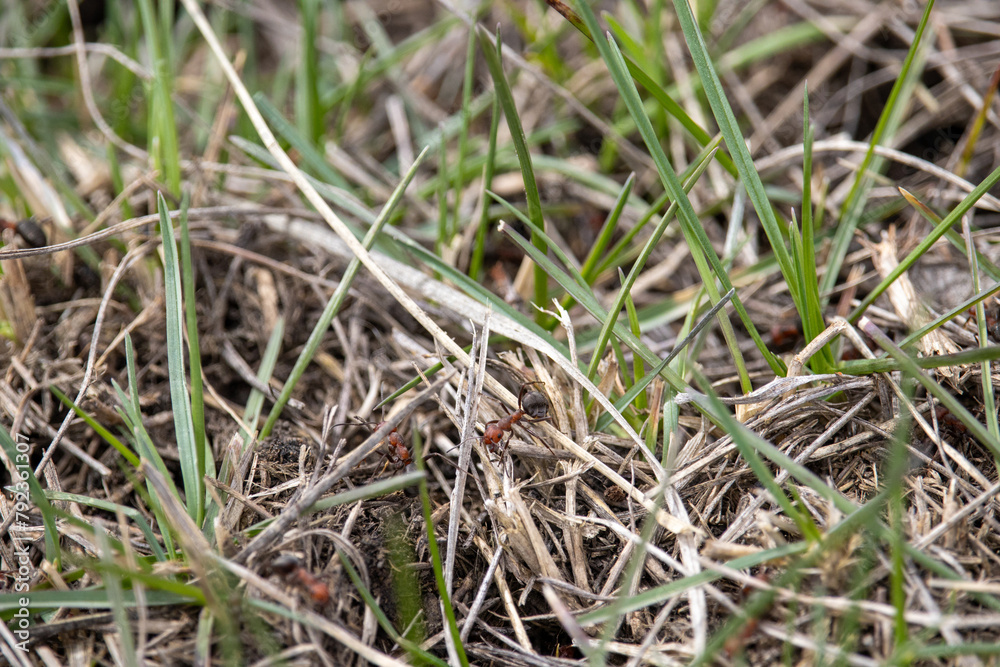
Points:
624	542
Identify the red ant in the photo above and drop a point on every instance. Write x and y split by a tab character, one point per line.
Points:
945	418
530	403
737	642
291	567
784	335
396	451
992	319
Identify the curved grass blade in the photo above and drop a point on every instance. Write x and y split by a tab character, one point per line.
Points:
108	506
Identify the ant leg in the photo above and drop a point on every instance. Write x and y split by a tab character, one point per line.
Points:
535	435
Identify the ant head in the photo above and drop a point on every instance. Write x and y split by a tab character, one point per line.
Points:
535	405
285	564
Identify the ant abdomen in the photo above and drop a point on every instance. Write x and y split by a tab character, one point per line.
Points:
535	405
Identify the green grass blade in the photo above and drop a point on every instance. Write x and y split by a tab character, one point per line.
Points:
164	145
372	490
737	146
638	368
971	302
567	261
436	564
694	233
269	360
479	248
647	82
605	420
192	456
105	434
701	249
586	299
308	113
942	227
97	598
858	196
977	124
912	368
131	414
589	268
976	355
311	156
506	98
28	493
986	378
193	348
619	250
335	302
108	506
660	594
813	322
468	77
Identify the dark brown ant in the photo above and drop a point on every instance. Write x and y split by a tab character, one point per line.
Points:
532	406
291	568
27	229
